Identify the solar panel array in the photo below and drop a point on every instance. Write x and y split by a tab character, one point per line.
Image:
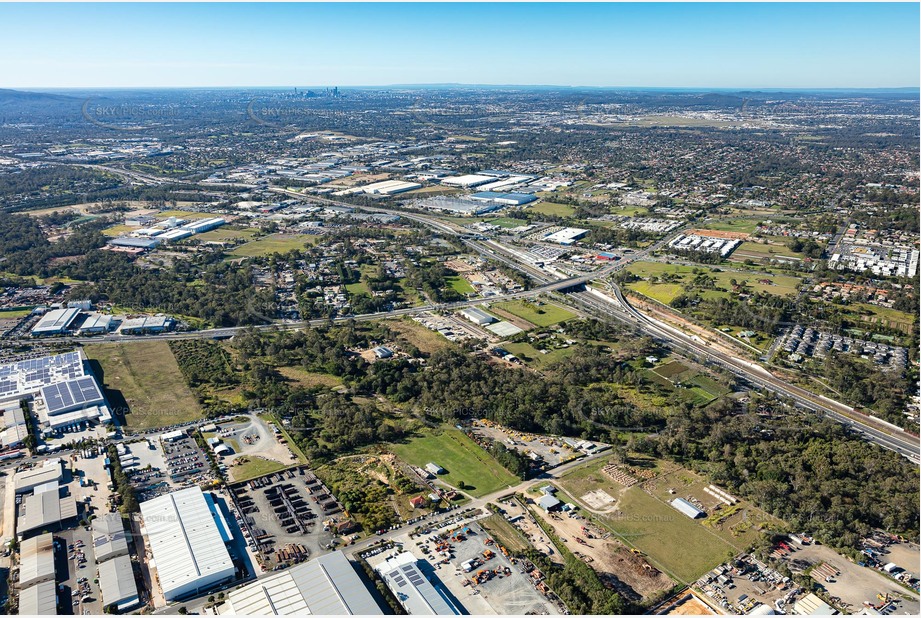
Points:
65	395
27	376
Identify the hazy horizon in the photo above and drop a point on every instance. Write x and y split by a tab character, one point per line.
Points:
743	46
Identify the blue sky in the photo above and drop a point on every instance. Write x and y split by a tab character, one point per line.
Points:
743	45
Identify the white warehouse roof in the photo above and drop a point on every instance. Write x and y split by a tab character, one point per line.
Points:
55	321
116	582
188	548
327	585
416	593
39	600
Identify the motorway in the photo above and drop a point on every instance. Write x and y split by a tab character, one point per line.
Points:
592	303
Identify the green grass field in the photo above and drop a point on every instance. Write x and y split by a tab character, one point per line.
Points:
276	243
184	214
553	209
757	250
779	285
462	459
16	313
309	379
224	234
508	222
530	354
460	285
745	226
253	467
357	288
671	370
684	547
145	377
543	315
118	230
665	293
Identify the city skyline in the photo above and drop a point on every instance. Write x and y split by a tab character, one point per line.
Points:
654	45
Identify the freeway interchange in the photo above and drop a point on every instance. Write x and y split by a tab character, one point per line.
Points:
589	301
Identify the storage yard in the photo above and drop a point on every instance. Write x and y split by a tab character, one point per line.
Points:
286	516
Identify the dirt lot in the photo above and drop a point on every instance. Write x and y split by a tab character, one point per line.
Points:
531	530
628	572
551	449
856	584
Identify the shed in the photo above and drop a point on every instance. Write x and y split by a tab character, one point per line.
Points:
687	508
549	503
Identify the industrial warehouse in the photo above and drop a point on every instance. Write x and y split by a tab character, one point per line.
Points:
187	535
328	585
63	391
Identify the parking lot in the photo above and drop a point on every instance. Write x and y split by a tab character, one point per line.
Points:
286	516
185	461
75	565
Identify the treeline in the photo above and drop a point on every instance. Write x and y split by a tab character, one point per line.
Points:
809	471
204	362
511	460
126	493
26	252
860	383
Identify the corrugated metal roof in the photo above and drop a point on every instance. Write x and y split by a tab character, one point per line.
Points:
414	591
187	547
327	585
116	581
36	560
687	508
39	600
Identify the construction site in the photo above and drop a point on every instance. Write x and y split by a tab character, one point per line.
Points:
622	568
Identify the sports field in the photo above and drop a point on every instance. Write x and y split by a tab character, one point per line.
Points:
144	377
545	314
463	460
276	243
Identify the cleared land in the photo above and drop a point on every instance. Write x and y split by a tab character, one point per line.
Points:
502	531
644	519
463	460
276	243
144	377
680	277
252	466
423	339
508	222
545	314
19	312
530	354
553	209
224	234
308	379
460	285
